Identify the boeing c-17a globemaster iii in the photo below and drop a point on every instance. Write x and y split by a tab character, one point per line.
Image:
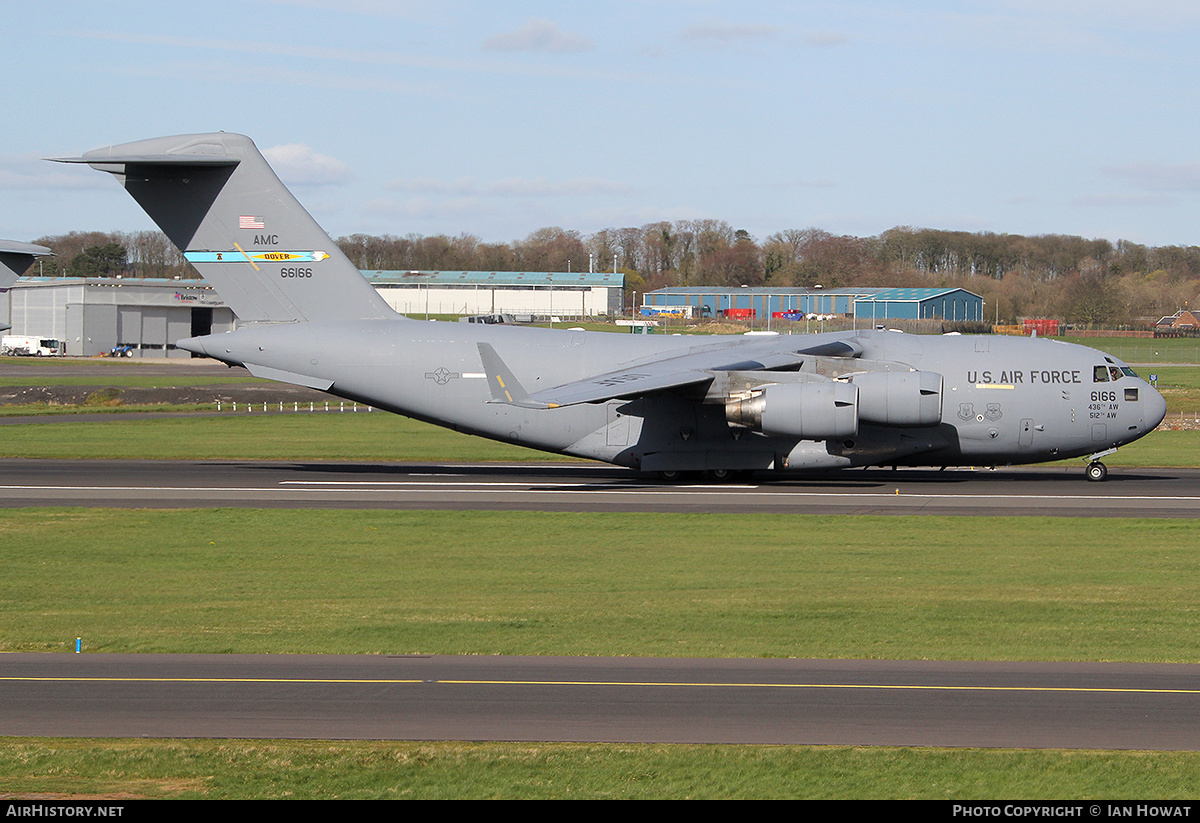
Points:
672	405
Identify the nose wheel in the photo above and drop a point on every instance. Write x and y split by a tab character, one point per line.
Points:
1096	471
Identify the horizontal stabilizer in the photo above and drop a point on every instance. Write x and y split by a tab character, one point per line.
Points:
318	383
126	160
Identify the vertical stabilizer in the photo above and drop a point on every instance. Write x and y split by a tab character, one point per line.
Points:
217	199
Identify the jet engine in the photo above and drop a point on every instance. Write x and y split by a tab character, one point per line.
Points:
809	411
899	398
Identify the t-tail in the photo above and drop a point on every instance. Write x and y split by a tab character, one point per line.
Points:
217	199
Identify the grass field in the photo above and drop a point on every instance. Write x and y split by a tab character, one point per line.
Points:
1144	350
363	436
246	580
279	581
236	769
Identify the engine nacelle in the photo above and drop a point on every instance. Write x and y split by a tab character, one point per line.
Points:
809	411
904	398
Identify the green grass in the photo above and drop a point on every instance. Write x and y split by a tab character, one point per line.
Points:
114	408
372	436
362	436
1180	387
237	769
128	380
1159	449
281	581
1144	349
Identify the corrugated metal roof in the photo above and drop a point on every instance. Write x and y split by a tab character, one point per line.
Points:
495	278
913	295
153	282
760	290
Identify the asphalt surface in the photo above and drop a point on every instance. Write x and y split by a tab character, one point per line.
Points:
670	700
1173	493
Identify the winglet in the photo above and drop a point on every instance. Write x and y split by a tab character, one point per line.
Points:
503	383
15	258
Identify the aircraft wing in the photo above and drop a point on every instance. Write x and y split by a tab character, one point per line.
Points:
696	368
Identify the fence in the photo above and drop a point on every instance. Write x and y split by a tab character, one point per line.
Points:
296	407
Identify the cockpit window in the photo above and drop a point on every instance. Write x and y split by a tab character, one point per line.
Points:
1115	372
1128	372
1100	374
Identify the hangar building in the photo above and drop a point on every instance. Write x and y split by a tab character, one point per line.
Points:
861	303
92	315
539	293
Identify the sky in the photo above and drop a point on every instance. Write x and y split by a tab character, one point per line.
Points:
498	119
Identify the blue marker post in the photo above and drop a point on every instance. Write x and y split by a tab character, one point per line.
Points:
78	644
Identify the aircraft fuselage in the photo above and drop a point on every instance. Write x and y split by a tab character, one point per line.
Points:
1004	400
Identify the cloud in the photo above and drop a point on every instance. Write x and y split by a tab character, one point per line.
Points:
725	33
368	8
1106	201
797	183
538	35
824	39
358	57
428	185
540	187
29	173
424	208
298	164
511	187
1159	176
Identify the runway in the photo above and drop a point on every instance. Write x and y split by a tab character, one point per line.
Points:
620	700
1173	493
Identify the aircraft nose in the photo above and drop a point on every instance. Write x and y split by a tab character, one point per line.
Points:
1155	408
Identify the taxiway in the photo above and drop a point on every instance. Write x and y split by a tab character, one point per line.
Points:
1173	493
664	700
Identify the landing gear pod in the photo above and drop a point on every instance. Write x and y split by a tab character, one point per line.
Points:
809	411
900	398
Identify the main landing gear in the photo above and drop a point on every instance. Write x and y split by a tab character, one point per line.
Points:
720	475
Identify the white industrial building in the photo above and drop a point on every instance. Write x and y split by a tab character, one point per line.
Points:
541	294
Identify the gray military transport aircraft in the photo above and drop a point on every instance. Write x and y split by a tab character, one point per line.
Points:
671	405
15	258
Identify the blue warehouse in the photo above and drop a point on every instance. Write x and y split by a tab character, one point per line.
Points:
868	304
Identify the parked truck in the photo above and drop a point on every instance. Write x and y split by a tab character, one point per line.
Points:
15	345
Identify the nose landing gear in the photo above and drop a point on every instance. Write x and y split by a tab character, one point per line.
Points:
1097	471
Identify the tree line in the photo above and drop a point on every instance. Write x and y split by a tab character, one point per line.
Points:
1079	280
111	254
